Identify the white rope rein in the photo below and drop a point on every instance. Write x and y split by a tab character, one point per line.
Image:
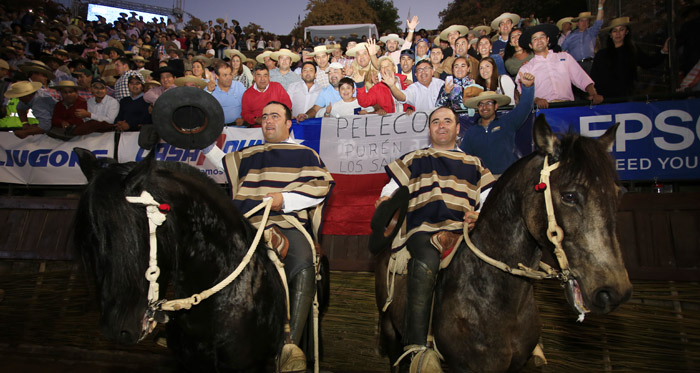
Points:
156	218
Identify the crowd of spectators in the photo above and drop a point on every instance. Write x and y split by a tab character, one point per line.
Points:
79	76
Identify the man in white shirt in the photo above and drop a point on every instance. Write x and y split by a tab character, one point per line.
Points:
423	94
101	112
304	93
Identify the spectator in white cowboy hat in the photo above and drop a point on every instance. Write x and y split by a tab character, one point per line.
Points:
64	117
395	44
321	57
555	71
503	24
580	43
450	35
264	58
241	72
229	93
40	103
493	139
304	93
565	27
284	74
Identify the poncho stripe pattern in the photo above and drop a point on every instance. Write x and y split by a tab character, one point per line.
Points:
297	169
443	186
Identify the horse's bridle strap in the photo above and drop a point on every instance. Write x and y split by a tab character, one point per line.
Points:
554	233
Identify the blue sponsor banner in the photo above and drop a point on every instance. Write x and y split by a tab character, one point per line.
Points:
655	140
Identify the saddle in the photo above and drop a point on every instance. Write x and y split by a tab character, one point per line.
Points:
278	242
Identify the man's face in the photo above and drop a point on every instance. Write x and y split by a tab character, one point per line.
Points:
225	77
308	73
487	109
285	62
167	80
262	79
113	55
135	87
69	95
461	47
421	49
566	27
362	58
406	64
334	76
392	45
583	24
444	128
121	67
505	26
351	44
321	59
275	126
98	90
435	56
424	73
539	42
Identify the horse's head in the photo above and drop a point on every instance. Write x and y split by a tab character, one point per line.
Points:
112	238
585	196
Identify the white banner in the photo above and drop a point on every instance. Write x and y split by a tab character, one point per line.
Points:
364	144
230	140
42	160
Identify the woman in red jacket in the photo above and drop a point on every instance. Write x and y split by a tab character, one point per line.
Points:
371	91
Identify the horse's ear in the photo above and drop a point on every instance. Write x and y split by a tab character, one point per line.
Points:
609	136
133	183
89	164
543	135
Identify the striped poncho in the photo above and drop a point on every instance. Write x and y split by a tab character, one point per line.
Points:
443	186
278	167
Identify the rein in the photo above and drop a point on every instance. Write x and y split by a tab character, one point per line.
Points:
156	213
554	233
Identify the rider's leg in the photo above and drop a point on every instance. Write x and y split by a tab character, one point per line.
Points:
422	272
298	266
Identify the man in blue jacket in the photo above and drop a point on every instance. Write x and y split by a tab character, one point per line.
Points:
493	137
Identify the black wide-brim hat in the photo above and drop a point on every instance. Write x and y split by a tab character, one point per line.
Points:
387	220
188	117
552	31
175	67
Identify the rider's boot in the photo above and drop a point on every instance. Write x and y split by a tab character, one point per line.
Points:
301	295
419	299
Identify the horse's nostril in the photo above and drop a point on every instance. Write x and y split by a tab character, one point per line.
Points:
125	337
603	298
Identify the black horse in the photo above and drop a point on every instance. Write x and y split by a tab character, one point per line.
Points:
201	242
486	320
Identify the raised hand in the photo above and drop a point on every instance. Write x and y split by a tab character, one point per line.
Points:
526	79
412	23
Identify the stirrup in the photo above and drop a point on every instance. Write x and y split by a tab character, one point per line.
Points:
292	359
423	359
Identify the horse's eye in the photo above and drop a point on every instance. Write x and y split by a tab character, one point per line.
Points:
569	198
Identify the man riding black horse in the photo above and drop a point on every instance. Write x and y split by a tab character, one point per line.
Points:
447	188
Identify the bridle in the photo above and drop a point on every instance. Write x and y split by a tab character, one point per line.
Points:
555	235
156	213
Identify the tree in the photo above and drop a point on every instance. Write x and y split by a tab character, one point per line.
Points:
338	12
387	15
252	29
474	12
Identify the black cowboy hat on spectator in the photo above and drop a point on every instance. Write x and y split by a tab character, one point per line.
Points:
387	220
549	29
344	42
188	118
107	50
175	67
